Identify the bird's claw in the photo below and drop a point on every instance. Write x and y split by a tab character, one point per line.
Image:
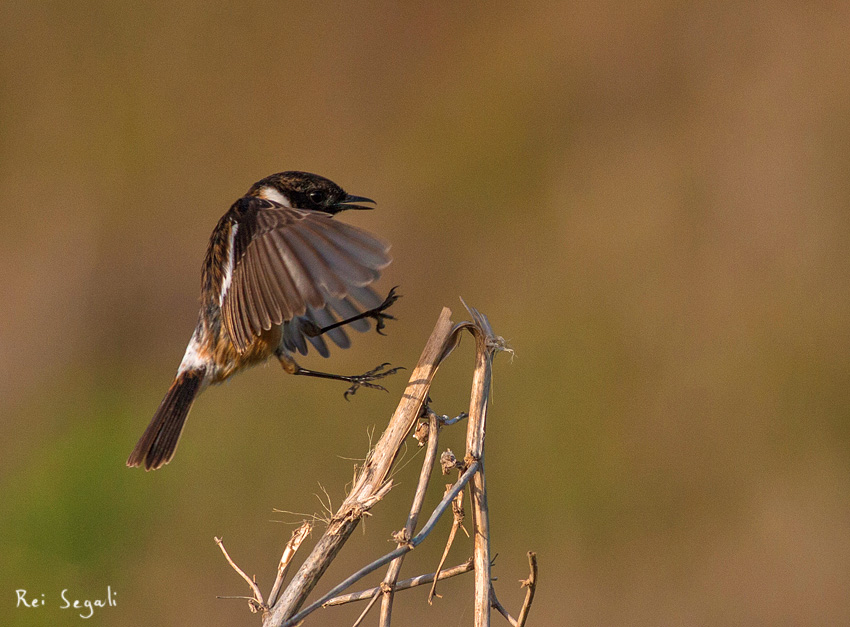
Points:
365	380
377	314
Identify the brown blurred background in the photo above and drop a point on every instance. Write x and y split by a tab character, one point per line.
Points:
650	202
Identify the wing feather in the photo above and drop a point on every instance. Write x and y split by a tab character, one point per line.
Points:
344	308
343	263
369	250
289	301
324	318
244	331
323	273
274	298
366	296
293	265
253	305
262	296
293	338
319	344
299	270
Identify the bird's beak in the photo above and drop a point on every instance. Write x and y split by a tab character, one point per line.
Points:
350	202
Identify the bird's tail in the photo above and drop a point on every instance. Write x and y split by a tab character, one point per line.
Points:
159	441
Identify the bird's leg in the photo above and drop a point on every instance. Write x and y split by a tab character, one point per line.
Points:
356	381
313	330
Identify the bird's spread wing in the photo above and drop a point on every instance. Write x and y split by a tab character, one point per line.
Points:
294	338
289	265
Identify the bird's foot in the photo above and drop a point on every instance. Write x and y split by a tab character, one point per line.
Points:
377	314
366	379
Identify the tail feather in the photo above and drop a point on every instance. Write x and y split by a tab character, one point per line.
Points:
159	441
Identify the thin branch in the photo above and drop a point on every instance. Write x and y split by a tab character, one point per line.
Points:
486	346
445	421
494	602
367	608
405	584
289	551
531	584
457	521
418	499
258	596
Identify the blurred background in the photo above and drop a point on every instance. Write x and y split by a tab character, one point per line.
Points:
650	202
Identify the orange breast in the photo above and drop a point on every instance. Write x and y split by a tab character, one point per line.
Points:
229	361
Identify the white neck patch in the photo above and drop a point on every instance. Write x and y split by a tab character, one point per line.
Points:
270	193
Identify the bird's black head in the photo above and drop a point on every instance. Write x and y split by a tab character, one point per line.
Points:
302	190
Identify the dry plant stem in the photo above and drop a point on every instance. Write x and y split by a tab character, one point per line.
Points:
258	596
386	559
418	499
531	584
370	480
289	551
494	602
445	421
486	346
457	521
368	607
402	585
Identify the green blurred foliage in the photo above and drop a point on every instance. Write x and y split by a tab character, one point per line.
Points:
650	202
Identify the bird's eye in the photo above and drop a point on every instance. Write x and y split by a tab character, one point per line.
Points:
317	197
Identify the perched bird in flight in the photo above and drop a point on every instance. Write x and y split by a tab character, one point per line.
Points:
279	272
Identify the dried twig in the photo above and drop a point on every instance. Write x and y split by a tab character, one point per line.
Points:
258	602
495	604
531	584
406	584
373	480
445	421
487	344
368	607
457	521
418	499
289	551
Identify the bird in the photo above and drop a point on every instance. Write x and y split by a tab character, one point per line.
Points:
279	274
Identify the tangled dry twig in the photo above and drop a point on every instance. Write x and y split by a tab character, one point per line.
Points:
372	482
